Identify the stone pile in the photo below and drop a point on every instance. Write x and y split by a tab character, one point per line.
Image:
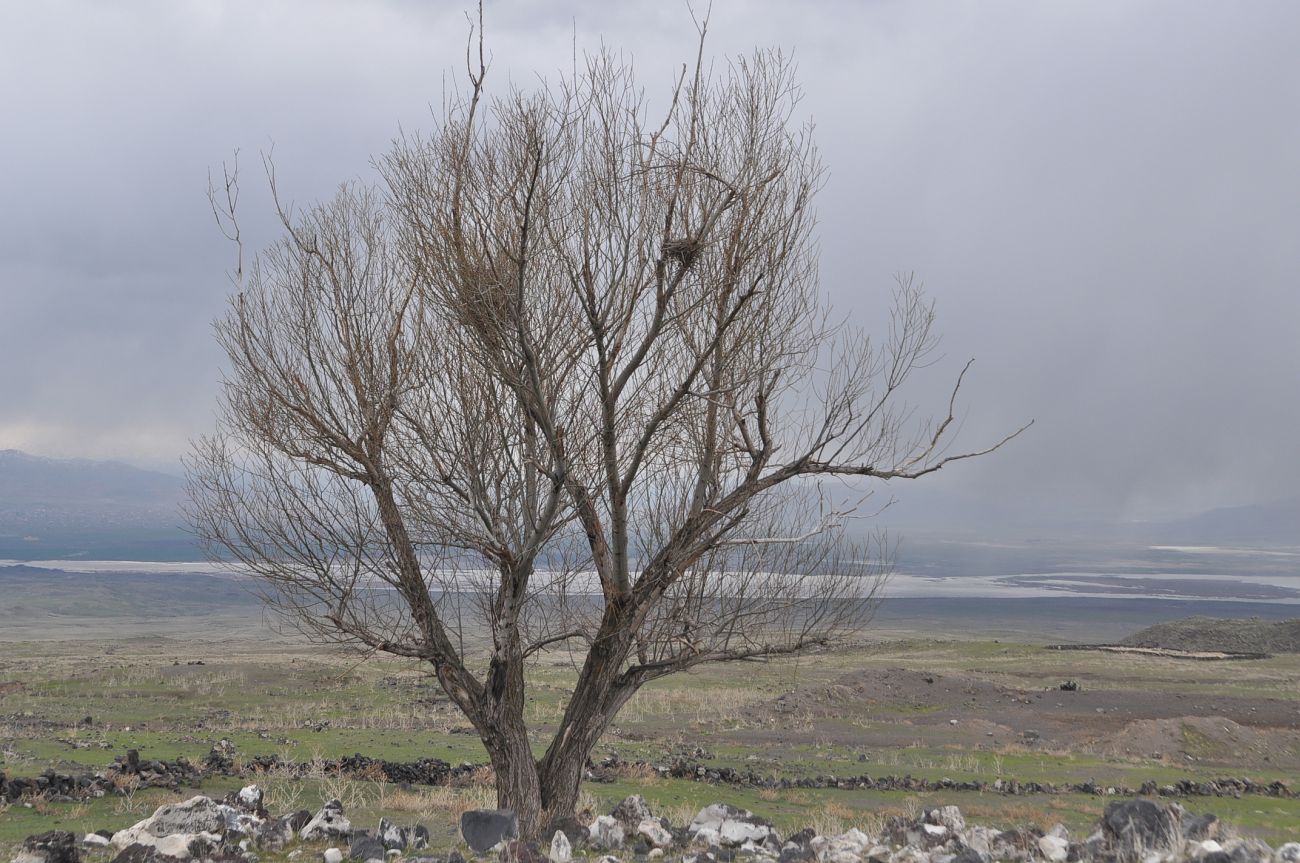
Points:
223	760
237	829
612	768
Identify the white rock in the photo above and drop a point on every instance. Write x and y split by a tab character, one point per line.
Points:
250	796
707	836
175	845
655	853
328	823
934	831
94	840
948	816
561	848
878	852
1289	853
1054	848
857	837
609	858
910	855
294	854
654	833
734	832
843	854
606	833
1200	849
981	839
332	855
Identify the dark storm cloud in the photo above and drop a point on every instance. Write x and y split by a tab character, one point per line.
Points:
1101	197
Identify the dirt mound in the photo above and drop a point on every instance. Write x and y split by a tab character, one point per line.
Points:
1214	739
1252	635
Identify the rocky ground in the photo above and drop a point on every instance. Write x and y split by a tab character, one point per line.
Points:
239	829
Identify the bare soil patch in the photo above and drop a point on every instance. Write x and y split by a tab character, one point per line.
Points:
897	706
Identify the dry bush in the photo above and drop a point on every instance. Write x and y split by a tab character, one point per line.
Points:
439	799
643	773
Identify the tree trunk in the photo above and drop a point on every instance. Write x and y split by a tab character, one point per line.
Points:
518	785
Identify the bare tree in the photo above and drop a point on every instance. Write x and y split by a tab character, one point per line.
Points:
563	381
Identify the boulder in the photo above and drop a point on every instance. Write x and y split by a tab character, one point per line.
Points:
655	833
1054	849
328	823
137	853
332	855
95	840
561	848
56	846
482	829
606	833
631	812
419	836
1288	853
969	855
947	816
366	848
250	798
394	838
575	831
731	827
1247	851
1199	850
1134	829
198	815
517	851
274	834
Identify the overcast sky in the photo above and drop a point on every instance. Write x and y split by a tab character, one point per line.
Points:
1103	198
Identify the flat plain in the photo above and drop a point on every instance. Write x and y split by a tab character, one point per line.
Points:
903	702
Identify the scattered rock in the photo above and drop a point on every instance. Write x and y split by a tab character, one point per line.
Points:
332	855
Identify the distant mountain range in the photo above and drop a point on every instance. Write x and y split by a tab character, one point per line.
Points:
77	508
68	508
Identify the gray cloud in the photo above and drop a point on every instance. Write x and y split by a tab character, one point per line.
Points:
1101	197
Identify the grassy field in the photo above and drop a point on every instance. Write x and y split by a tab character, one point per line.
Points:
170	697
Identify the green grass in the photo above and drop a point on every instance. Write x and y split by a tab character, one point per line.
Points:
301	702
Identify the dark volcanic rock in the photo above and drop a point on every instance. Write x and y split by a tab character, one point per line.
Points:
484	828
1135	828
365	848
56	846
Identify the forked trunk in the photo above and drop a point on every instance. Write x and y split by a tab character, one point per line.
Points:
540	793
